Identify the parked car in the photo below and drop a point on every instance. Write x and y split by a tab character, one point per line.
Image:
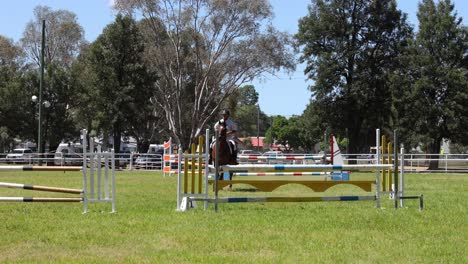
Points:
273	153
156	149
20	155
148	161
249	152
69	154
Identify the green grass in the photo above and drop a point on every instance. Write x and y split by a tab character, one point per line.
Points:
147	229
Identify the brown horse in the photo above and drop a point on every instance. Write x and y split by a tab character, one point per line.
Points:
224	155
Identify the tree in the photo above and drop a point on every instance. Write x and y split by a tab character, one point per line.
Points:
245	110
16	110
63	36
350	48
209	49
312	125
63	39
120	85
285	132
433	88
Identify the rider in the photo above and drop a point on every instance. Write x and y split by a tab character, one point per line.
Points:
231	129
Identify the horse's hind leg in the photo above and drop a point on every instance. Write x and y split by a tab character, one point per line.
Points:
221	178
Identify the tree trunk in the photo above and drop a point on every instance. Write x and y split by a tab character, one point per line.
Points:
117	137
434	148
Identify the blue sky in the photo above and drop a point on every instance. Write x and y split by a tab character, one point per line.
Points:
281	94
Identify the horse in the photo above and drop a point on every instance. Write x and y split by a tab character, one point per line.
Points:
224	152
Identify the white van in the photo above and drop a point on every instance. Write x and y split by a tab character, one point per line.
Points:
156	149
19	155
69	154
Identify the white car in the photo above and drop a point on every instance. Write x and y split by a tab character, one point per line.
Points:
273	153
19	155
249	152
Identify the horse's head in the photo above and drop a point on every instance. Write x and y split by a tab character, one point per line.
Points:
222	130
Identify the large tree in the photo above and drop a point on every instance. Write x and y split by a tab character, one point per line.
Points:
64	35
120	86
208	49
350	48
63	39
16	110
432	91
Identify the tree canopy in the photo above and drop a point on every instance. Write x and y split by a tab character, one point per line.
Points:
351	48
207	50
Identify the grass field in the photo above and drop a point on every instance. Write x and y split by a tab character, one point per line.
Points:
147	229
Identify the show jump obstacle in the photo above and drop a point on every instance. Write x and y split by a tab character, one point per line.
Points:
99	163
193	180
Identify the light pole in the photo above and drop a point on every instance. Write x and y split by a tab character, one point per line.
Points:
41	80
39	125
258	127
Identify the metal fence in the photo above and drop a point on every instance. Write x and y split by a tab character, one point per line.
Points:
128	161
144	161
420	162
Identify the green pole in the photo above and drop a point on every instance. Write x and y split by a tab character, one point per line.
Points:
41	81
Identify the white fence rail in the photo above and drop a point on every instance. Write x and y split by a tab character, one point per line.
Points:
137	161
130	161
420	162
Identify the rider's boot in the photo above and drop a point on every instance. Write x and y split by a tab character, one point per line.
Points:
210	161
234	157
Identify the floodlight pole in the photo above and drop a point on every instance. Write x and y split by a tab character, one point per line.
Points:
41	81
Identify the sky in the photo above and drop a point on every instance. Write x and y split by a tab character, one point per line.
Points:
281	94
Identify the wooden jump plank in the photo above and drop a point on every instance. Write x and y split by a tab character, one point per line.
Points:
317	186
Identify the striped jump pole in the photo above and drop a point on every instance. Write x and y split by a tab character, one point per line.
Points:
43	189
303	168
41	200
281	174
280	157
39	168
40	188
287	199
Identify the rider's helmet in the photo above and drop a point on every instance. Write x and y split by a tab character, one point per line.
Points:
225	112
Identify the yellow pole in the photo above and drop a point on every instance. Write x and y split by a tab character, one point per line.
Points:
390	161
185	173
384	161
192	167
200	163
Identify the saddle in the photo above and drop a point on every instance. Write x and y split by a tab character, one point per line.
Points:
231	143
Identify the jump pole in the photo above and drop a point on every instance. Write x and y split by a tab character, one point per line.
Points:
216	171
304	168
377	161
39	168
287	199
402	176
395	169
41	200
84	135
40	188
